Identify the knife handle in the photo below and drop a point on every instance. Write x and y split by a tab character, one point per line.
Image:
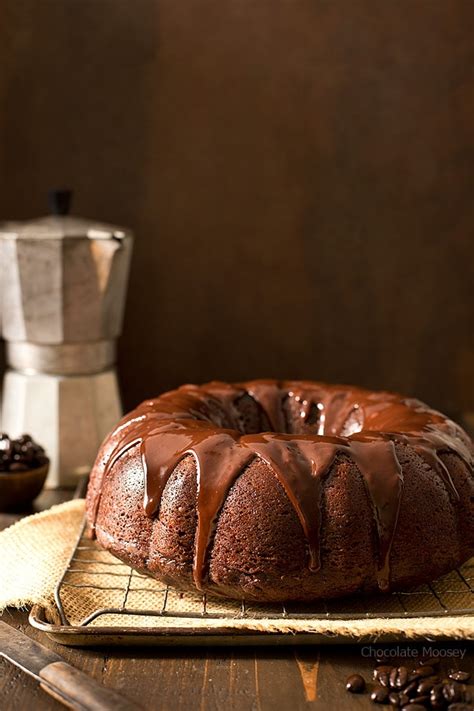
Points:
80	692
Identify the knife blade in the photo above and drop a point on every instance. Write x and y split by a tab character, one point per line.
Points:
72	687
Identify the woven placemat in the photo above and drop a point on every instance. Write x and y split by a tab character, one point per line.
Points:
98	590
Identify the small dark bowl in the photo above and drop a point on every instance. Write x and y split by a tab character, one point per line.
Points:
19	488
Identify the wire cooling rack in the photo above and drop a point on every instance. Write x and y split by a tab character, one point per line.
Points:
96	589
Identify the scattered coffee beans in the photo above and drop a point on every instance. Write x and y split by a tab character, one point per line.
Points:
416	689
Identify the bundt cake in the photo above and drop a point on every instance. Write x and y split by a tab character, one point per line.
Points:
285	490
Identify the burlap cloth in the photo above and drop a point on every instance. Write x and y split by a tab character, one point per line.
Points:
35	552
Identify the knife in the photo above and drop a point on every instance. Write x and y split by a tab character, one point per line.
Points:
65	683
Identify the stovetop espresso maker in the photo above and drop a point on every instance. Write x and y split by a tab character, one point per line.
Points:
63	283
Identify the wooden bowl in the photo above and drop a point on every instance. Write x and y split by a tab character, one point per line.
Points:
19	488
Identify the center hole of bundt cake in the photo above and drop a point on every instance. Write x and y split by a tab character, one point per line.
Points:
294	417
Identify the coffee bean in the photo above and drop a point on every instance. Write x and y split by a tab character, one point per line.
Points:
398	677
6	451
452	691
468	696
425	670
383	679
414	707
402	679
436	695
411	689
355	684
459	675
461	706
428	662
420	700
425	686
382	669
379	695
394	698
18	467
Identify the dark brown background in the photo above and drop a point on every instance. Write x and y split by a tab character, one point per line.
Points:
299	174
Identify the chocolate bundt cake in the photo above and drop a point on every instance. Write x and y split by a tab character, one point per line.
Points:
276	491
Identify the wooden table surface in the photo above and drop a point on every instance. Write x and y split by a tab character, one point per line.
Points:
209	679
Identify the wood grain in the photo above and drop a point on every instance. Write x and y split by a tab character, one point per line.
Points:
209	680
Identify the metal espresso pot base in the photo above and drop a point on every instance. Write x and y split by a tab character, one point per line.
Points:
63	284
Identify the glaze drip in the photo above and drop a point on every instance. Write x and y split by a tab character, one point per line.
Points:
269	397
204	422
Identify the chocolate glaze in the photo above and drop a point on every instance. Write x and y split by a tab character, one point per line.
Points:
203	421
